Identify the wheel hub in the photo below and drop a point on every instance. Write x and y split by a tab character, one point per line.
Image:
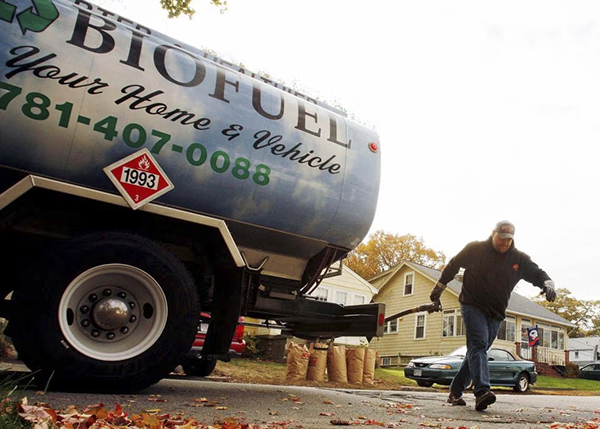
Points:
110	314
107	314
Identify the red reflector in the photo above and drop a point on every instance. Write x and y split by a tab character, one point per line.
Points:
373	147
381	319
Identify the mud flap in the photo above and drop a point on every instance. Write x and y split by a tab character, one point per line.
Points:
225	314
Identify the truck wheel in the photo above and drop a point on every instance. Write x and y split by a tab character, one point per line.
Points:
198	367
106	312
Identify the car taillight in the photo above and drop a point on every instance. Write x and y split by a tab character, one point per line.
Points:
239	331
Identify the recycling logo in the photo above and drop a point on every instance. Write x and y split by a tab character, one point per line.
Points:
36	18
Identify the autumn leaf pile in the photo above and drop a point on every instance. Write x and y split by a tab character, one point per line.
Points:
42	416
99	417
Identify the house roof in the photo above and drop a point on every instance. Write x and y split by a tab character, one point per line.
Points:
345	278
358	278
587	343
517	304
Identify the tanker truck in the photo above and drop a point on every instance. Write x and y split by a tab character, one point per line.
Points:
144	181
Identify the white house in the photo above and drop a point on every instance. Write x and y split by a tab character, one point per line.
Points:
584	350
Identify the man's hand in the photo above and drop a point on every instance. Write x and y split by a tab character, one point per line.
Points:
436	292
549	291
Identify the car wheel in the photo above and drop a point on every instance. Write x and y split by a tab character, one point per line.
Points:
110	311
198	367
425	383
522	383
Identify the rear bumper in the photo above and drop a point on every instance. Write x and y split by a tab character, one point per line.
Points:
308	318
534	377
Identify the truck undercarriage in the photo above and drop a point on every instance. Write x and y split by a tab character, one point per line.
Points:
127	286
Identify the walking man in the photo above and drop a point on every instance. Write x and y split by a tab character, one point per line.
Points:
492	269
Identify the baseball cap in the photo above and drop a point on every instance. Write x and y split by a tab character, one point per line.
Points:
505	229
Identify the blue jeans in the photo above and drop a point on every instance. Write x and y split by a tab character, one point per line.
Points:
481	333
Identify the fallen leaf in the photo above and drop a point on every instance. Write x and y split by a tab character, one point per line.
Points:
157	400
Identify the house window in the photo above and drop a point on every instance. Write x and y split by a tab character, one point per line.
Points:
386	361
408	283
560	339
525	323
525	352
391	327
576	355
321	294
452	324
508	329
359	299
420	326
552	337
341	297
541	332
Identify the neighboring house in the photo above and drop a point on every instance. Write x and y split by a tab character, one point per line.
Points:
422	334
346	288
584	350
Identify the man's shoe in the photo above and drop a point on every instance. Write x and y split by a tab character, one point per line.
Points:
484	399
456	400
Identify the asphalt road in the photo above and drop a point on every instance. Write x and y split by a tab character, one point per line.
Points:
291	407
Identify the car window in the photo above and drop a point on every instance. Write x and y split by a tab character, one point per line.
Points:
461	351
500	355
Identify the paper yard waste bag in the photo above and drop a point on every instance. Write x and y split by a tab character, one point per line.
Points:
355	363
336	364
369	368
297	361
317	363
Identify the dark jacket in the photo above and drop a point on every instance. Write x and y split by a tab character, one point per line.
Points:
490	276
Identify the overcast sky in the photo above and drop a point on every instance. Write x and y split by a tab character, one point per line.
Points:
485	110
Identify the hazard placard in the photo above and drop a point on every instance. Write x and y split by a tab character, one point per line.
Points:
139	178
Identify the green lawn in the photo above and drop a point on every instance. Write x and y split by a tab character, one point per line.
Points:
545	382
261	372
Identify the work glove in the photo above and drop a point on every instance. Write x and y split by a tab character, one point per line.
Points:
436	292
549	291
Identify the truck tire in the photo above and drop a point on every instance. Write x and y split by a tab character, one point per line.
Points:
105	312
198	367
